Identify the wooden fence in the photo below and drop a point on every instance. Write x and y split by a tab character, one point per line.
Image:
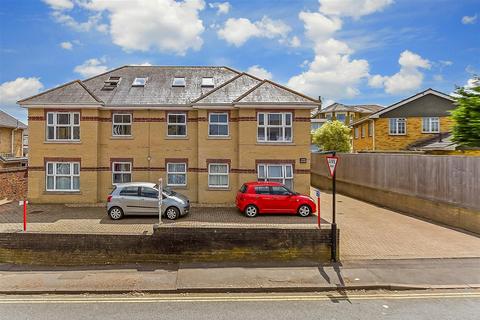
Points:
450	179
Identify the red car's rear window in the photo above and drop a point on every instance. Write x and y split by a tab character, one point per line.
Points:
243	188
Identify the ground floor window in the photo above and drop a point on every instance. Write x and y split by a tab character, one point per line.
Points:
176	174
63	176
282	173
218	175
430	125
121	172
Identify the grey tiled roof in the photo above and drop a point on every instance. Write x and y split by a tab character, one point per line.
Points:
362	108
8	121
230	85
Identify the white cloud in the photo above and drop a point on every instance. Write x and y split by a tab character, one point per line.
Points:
295	42
238	31
469	19
141	25
409	77
60	4
377	81
332	73
260	72
446	63
352	8
144	64
67	45
222	7
20	88
91	67
438	77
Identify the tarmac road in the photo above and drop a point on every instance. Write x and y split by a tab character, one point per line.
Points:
436	305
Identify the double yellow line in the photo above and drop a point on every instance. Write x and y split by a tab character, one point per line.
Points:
232	298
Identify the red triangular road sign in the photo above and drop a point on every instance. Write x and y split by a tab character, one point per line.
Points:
332	164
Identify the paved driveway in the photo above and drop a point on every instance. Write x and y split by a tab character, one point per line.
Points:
368	231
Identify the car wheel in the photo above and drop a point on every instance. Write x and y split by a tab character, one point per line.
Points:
115	213
172	213
304	210
251	211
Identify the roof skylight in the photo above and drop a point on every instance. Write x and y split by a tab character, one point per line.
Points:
139	82
178	82
111	83
207	82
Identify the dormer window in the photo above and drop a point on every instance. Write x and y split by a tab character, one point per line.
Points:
139	82
207	82
178	82
111	83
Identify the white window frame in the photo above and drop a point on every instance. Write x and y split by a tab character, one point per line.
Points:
206	83
54	125
328	116
429	121
121	124
177	124
177	173
364	130
121	172
283	126
396	127
218	123
284	177
140	82
182	84
341	113
356	132
370	128
218	174
55	175
351	118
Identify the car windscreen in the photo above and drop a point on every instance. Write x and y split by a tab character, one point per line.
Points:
169	192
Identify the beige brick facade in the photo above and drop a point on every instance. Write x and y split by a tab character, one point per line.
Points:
149	149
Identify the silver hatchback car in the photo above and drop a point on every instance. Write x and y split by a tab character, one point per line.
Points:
141	198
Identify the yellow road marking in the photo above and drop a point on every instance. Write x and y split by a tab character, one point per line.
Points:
236	298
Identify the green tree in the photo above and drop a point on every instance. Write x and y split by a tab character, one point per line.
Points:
466	131
333	135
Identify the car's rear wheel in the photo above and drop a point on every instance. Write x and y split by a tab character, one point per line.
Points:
172	213
115	213
304	210
251	211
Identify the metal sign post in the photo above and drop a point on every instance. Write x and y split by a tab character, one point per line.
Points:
160	199
24	204
332	166
317	193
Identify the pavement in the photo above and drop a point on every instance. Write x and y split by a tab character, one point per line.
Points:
189	278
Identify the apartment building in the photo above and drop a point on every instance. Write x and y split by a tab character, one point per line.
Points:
12	148
204	130
404	124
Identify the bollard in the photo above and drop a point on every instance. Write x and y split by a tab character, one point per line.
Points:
24	215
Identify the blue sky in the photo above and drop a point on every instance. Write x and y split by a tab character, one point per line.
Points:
350	51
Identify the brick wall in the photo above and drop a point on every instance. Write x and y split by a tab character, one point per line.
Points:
13	183
169	244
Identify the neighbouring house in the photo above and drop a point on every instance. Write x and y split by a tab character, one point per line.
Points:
204	130
344	113
406	125
11	141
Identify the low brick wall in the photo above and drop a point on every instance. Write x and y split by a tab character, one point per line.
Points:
438	211
13	183
168	244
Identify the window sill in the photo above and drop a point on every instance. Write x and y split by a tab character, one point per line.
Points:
62	192
62	142
397	134
219	138
275	144
434	132
219	189
176	138
177	187
121	138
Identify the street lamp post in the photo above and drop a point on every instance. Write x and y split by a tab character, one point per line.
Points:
160	198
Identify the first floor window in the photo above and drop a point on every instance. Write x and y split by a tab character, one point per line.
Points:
176	174
218	175
218	124
63	176
282	173
370	129
63	126
356	132
363	131
397	126
121	172
274	127
177	124
431	125
341	117
122	124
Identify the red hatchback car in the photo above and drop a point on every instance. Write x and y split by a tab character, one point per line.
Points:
272	197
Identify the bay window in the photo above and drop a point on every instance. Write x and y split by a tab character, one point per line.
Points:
63	126
274	127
